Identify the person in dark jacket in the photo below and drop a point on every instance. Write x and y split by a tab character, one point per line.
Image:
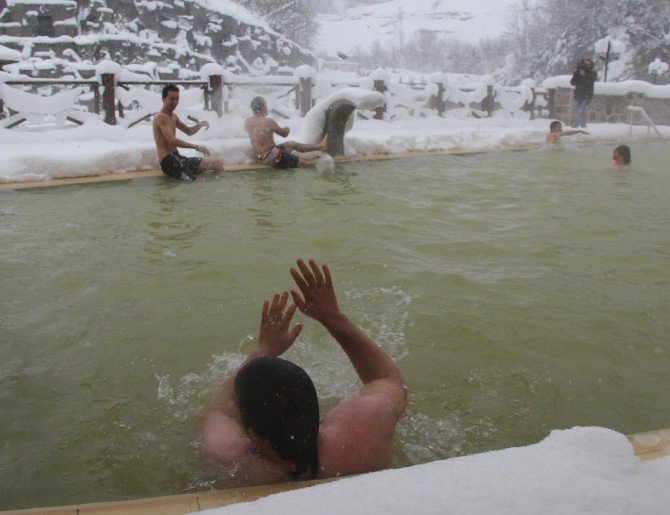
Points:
583	79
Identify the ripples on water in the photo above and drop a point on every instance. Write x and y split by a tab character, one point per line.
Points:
519	292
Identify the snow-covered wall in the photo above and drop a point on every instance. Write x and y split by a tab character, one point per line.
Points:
611	100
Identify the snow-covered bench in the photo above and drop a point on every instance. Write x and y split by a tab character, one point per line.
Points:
35	108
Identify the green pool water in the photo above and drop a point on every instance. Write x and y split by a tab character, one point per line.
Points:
519	292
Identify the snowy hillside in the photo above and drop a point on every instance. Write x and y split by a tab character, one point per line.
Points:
511	39
172	37
397	20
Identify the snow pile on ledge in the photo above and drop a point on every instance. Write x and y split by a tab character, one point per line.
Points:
580	470
315	119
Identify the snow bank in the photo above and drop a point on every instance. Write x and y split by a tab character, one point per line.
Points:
45	152
580	470
96	148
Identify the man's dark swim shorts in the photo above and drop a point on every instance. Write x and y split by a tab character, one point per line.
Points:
179	167
279	158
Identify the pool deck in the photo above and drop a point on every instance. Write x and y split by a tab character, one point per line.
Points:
240	167
647	446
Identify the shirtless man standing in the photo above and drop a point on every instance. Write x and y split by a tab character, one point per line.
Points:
165	127
556	132
261	131
262	425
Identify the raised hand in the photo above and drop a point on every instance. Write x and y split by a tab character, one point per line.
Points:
318	299
275	336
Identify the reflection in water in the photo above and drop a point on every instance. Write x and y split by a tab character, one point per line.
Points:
170	229
261	212
621	178
269	191
343	187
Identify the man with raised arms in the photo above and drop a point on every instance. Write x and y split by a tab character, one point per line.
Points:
261	131
262	424
556	132
165	126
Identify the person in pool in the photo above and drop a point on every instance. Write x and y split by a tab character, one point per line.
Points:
261	131
556	132
165	126
262	424
620	157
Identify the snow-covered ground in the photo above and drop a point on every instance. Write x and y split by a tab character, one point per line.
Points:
581	470
396	20
96	148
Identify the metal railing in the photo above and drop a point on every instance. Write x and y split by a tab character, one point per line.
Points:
650	124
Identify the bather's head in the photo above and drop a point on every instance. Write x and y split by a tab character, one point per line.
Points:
278	403
259	106
167	88
621	155
170	97
555	126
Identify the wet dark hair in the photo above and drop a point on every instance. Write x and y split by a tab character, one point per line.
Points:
168	88
277	401
624	152
553	124
257	104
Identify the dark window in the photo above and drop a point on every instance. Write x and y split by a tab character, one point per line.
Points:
45	25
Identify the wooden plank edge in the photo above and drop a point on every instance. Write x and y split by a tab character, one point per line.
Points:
647	446
239	167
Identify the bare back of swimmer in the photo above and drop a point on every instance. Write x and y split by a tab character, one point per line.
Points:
262	424
261	130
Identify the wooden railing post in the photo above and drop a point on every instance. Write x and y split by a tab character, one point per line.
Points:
440	104
108	101
378	85
216	84
487	103
205	95
532	104
96	98
305	94
2	110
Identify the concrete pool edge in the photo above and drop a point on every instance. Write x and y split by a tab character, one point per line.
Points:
240	167
649	445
